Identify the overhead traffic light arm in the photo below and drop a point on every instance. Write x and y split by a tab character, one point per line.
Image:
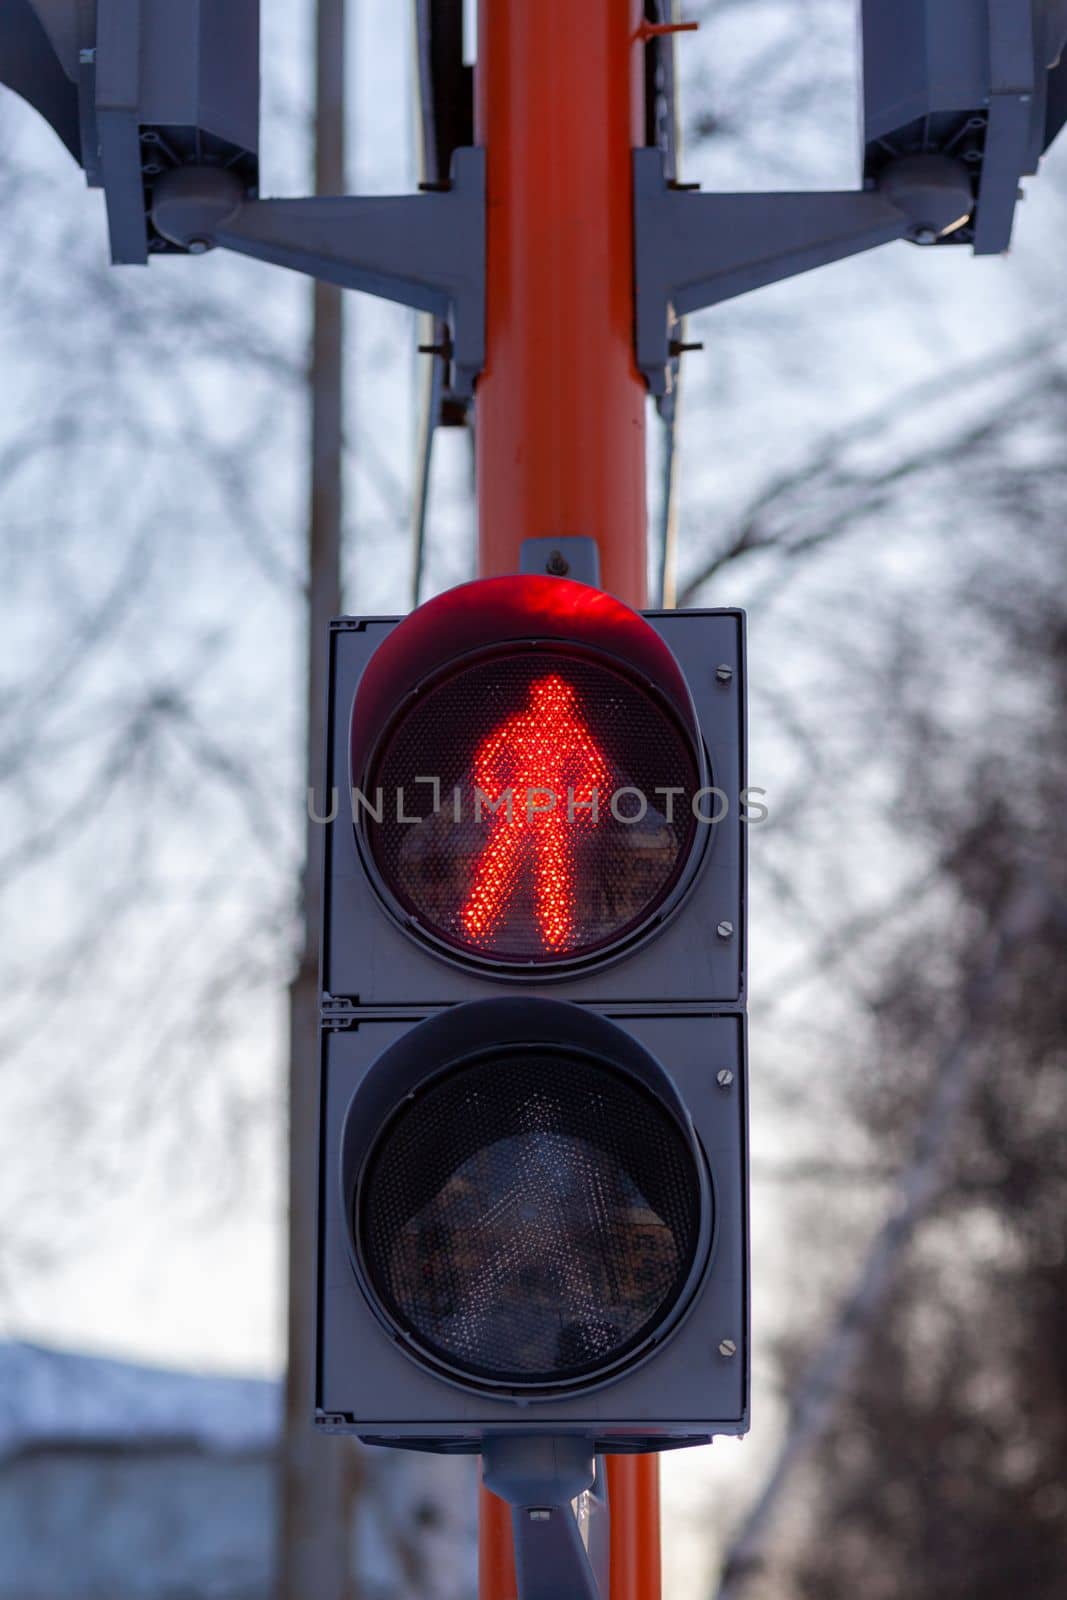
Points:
424	250
695	250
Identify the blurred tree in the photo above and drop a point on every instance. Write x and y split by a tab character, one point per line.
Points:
925	1448
156	580
944	1472
145	424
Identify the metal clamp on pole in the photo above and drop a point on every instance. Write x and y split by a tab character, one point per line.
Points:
540	1478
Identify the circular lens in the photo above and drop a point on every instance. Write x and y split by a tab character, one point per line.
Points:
534	807
531	1218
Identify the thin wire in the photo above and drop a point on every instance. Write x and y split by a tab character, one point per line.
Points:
665	586
429	400
429	409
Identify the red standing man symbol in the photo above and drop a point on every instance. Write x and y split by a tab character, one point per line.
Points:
548	759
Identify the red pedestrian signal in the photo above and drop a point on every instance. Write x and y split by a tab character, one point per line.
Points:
530	802
542	754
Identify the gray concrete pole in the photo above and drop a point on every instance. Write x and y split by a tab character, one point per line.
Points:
318	1476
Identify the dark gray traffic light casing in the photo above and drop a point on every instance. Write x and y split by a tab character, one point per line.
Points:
137	89
176	84
980	81
695	958
674	997
684	1390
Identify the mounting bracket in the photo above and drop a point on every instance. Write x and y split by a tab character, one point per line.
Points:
695	250
421	250
540	1476
571	555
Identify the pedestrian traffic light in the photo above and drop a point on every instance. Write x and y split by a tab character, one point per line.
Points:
533	1171
532	777
514	866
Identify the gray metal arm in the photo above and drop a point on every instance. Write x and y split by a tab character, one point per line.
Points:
423	250
551	1562
695	250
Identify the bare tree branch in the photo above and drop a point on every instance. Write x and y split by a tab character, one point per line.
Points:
861	493
918	1188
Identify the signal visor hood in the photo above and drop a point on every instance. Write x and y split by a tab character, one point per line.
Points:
494	612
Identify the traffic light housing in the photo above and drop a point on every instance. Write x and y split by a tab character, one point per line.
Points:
981	82
412	702
137	90
533	1157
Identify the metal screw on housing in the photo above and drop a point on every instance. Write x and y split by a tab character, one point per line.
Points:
727	1347
724	1077
723	672
725	930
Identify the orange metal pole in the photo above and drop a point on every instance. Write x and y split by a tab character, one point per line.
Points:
496	1551
560	416
633	1498
560	409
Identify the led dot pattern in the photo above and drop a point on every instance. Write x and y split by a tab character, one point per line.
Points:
530	1218
524	813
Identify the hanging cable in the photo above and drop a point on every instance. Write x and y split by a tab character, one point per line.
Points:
429	403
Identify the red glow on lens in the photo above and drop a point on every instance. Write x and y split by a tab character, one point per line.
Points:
491	612
490	807
543	773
